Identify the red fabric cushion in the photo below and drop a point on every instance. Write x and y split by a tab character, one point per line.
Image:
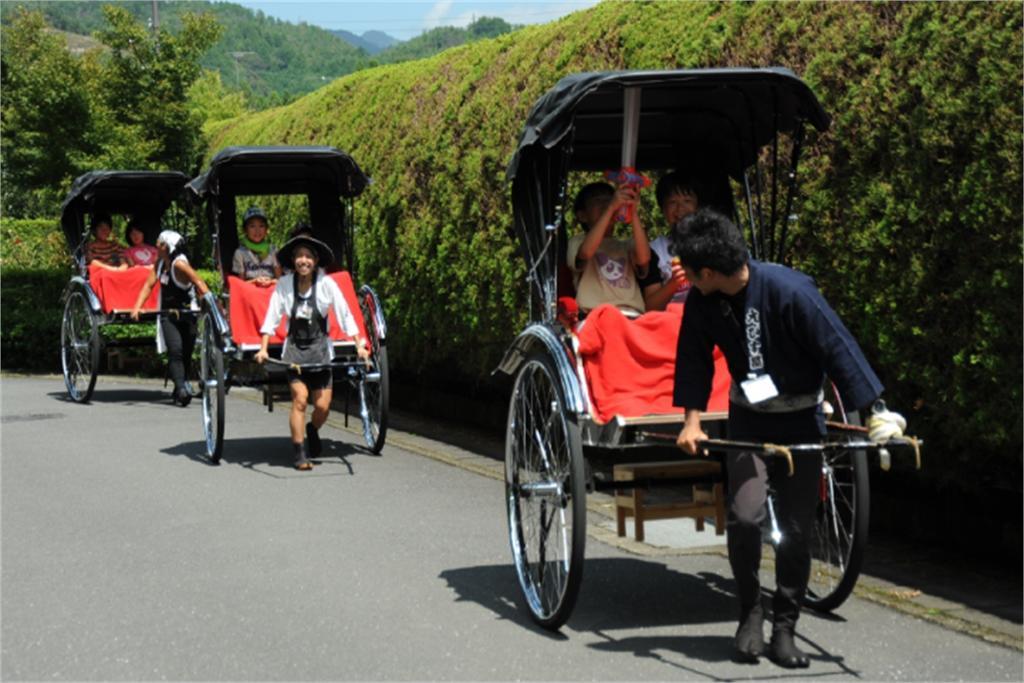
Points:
249	303
118	289
630	364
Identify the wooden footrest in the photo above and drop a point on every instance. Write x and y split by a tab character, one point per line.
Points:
707	500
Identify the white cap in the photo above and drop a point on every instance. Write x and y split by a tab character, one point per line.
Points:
171	238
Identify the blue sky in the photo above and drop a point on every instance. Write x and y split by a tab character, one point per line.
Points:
405	19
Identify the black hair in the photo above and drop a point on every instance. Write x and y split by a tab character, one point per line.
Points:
301	228
98	219
133	224
591	191
707	239
678	183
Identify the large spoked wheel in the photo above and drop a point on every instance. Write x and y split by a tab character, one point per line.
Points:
545	492
374	387
79	347
840	532
211	371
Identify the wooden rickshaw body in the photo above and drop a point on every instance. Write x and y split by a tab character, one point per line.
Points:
331	180
742	132
715	122
145	196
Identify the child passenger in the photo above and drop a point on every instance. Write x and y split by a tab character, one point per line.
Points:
102	250
305	297
138	253
605	269
255	258
678	196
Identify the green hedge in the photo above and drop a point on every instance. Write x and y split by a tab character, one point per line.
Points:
910	221
911	218
35	243
32	307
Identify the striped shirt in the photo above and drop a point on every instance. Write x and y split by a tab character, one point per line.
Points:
108	252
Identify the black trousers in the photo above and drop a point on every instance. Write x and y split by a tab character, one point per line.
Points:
796	498
180	340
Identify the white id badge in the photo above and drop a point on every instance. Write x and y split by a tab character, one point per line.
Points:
304	312
760	388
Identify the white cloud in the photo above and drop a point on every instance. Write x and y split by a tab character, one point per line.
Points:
437	13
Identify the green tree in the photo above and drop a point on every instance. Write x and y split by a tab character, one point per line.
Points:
211	101
146	78
44	113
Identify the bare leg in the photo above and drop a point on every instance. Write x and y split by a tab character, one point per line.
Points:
297	419
321	406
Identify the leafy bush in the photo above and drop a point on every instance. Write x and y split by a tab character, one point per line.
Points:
911	218
36	243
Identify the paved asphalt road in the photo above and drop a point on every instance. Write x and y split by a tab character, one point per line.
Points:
126	556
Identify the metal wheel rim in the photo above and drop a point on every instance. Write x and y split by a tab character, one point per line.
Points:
76	341
539	498
210	396
370	396
832	542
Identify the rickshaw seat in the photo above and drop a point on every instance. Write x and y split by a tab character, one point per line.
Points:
117	290
248	307
629	365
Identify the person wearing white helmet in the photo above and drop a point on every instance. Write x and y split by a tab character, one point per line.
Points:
176	323
780	339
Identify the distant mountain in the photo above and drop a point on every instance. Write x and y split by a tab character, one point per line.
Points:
379	40
273	61
443	37
371	41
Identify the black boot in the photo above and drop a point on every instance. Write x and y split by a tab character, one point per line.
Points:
313	439
181	396
784	652
301	461
749	642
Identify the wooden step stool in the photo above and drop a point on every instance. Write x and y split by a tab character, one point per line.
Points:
708	499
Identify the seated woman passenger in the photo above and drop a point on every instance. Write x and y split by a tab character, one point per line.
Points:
138	253
102	250
678	196
606	270
255	260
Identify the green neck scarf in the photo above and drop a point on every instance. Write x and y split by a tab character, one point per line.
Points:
261	249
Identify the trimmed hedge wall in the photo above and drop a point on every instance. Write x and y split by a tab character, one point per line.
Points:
911	214
910	220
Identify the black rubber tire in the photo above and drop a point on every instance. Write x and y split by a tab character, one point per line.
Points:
840	534
542	447
212	381
377	399
79	347
375	395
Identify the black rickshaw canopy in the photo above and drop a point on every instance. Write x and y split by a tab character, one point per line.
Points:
145	195
280	170
321	173
733	111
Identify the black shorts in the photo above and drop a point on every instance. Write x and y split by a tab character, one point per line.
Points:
314	381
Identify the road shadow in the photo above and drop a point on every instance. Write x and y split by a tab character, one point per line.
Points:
617	593
272	456
124	396
633	594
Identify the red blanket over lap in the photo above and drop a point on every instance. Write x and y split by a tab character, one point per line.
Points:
630	364
118	289
249	303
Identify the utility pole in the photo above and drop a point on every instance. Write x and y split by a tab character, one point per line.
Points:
156	17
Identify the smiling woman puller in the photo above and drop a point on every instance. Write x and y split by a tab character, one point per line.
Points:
780	339
305	297
176	324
